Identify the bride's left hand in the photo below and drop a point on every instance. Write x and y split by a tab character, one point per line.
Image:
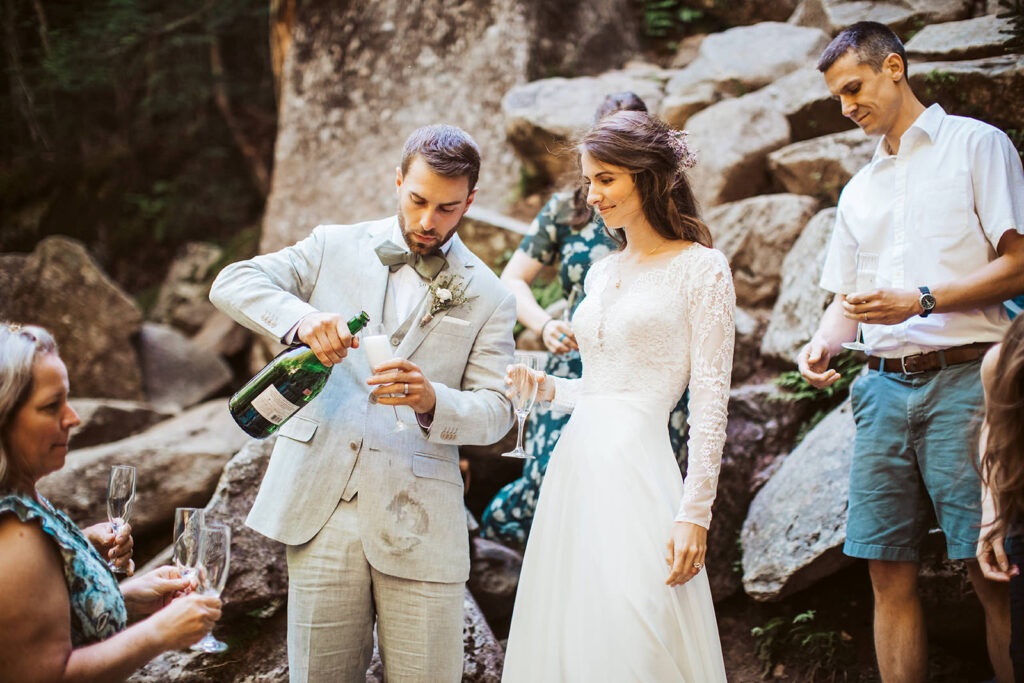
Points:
687	547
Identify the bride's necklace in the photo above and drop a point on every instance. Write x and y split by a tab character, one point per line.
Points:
645	255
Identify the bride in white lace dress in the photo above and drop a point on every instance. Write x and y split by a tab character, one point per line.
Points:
613	586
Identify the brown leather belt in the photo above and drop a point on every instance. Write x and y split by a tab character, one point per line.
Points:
934	360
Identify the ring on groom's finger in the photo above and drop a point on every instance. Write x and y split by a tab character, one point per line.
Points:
697	565
405	388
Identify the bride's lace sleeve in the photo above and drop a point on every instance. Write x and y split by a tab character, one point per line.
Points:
567	390
712	303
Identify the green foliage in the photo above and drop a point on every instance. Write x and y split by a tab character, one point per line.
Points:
795	388
824	652
668	18
1014	11
110	131
848	364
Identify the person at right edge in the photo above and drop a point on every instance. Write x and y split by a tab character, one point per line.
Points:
941	204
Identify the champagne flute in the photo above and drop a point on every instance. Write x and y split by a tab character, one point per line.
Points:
574	297
120	497
377	345
524	388
188	524
214	558
867	272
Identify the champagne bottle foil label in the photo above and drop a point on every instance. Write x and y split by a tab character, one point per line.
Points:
273	406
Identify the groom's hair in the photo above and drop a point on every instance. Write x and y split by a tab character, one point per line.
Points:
447	150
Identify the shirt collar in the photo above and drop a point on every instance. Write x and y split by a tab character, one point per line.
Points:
397	238
927	124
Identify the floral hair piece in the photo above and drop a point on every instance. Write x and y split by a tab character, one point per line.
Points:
687	157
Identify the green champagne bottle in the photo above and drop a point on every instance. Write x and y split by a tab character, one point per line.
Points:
278	391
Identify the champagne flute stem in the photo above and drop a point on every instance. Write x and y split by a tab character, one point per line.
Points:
522	422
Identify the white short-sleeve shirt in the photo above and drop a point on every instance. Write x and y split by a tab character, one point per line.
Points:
934	212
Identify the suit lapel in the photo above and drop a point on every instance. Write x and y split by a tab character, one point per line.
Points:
415	333
373	280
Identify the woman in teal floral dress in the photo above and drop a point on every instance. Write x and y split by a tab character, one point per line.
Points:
566	230
63	615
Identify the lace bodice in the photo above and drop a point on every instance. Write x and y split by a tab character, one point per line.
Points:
649	333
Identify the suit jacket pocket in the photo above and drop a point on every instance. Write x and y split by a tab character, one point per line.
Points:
455	327
299	429
436	467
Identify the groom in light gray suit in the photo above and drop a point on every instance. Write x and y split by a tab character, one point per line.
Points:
373	519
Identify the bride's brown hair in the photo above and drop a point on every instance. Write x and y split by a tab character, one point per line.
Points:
655	155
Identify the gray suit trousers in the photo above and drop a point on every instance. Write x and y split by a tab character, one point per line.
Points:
333	593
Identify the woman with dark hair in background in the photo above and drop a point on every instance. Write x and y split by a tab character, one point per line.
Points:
612	586
1001	542
63	616
570	231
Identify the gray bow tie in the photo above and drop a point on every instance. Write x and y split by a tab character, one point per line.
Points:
394	256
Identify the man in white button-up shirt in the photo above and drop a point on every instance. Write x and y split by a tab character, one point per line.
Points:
934	224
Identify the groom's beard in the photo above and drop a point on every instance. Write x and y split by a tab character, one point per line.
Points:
436	242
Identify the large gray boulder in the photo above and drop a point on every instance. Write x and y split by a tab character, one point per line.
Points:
493	580
60	287
821	167
804	99
543	117
796	524
177	464
104	420
178	373
183	300
991	89
984	36
755	234
801	301
901	16
733	139
739	60
762	426
359	77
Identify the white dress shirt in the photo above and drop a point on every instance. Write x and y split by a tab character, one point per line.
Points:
933	213
405	286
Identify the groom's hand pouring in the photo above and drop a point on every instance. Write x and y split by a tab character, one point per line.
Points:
328	336
400	382
687	548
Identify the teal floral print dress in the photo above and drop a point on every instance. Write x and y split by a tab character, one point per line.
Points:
97	606
508	517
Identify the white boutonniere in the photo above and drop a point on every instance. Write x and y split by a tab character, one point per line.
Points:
446	292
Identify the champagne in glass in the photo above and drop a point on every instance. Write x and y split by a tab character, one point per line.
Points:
188	524
524	393
214	558
120	497
867	273
377	345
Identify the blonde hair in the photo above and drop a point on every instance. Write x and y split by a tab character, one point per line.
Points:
19	348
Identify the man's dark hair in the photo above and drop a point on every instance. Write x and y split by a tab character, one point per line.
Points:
447	150
871	41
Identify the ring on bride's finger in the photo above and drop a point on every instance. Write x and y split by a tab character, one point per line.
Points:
697	565
561	337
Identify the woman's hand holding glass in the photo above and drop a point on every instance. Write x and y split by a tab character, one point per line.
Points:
557	336
120	498
117	547
524	381
154	590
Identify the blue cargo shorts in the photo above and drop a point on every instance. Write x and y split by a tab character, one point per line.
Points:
912	458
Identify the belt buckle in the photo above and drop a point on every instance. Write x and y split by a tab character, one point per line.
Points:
903	364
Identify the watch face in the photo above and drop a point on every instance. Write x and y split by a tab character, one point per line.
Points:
927	302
